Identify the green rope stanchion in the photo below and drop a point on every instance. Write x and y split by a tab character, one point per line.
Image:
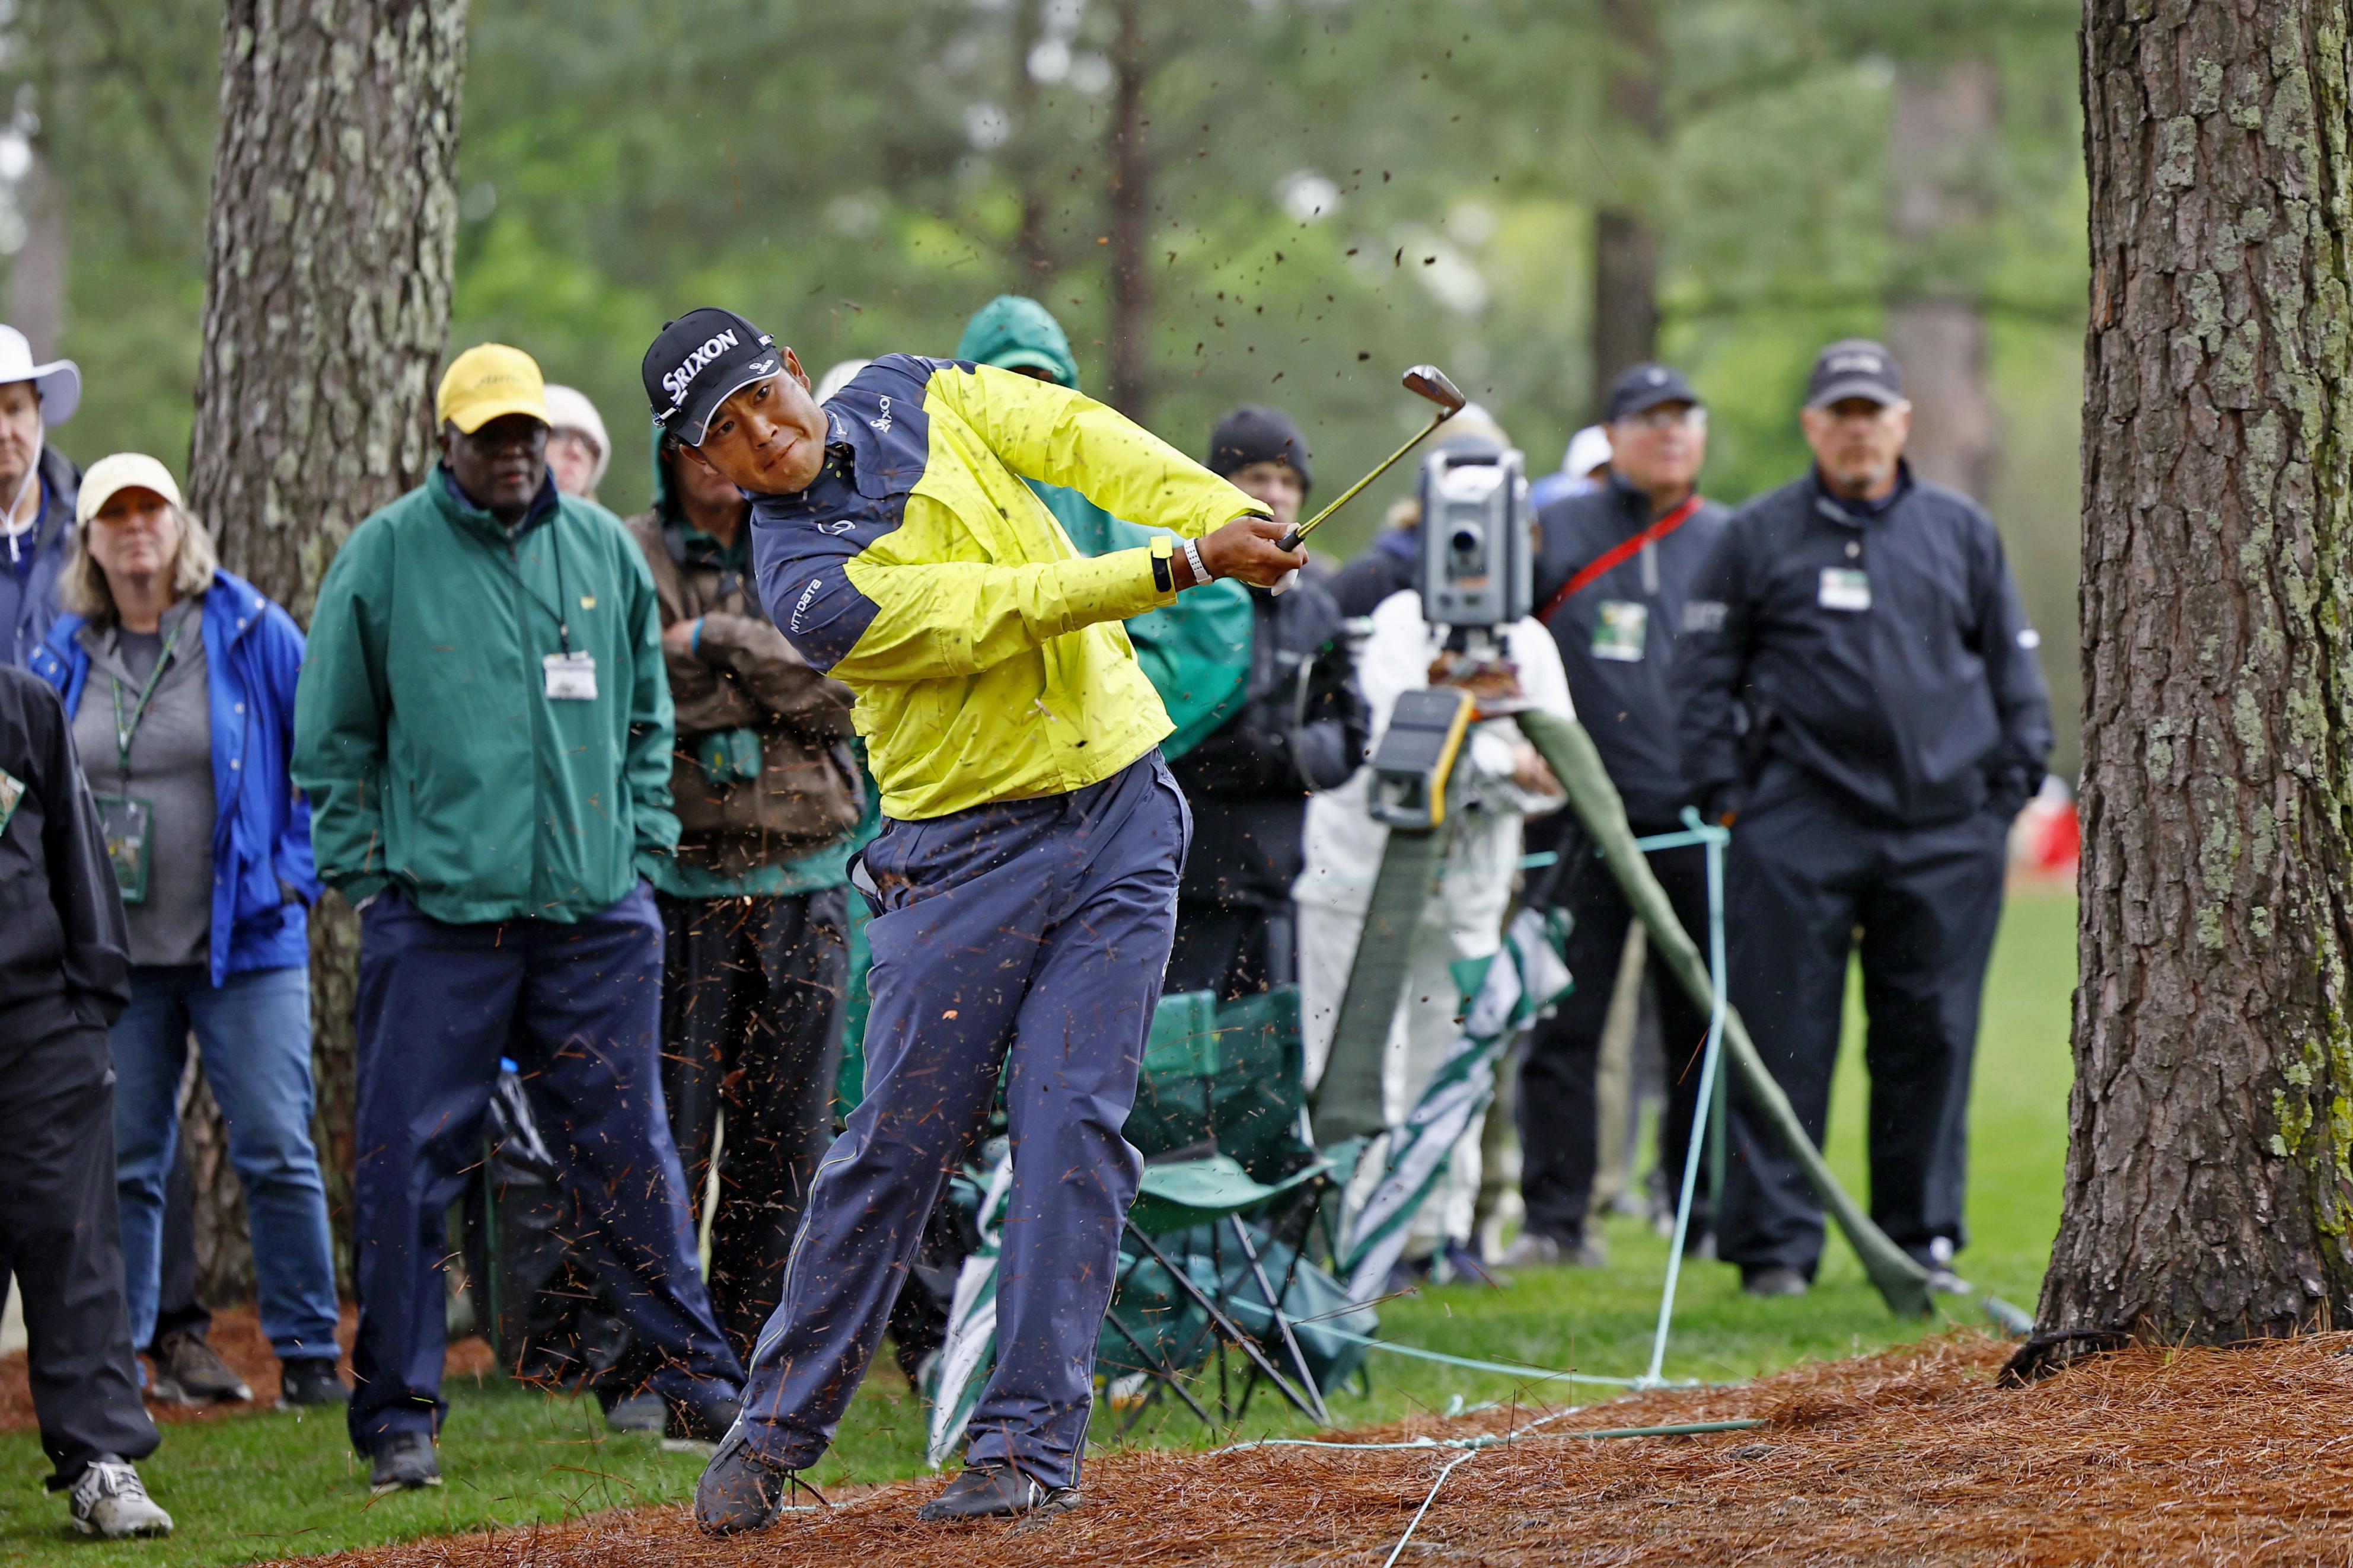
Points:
1568	750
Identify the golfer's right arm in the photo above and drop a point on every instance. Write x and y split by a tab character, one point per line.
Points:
869	619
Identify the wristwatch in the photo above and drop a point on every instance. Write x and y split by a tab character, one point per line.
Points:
1193	554
1163	574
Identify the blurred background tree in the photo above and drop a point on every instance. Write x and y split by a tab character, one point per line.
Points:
1272	200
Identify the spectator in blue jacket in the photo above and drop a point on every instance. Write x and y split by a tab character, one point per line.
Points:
178	679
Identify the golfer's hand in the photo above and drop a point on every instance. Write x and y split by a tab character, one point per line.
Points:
678	638
1246	548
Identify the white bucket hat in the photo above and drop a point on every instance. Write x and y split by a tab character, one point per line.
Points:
57	383
569	408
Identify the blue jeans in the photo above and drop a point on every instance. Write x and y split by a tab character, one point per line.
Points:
253	1033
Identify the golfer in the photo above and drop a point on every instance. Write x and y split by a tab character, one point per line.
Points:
1025	880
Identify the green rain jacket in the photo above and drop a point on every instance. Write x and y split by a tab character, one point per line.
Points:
1197	651
422	731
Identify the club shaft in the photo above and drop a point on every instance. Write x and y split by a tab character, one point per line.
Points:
1291	541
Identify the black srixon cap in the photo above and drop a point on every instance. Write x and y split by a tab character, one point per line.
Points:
1646	386
1854	367
700	361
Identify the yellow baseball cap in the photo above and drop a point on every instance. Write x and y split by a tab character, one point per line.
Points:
109	476
486	382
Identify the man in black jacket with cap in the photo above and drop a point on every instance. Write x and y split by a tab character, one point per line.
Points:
1613	568
1860	694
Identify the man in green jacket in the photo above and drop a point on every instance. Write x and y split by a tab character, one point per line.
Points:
483	728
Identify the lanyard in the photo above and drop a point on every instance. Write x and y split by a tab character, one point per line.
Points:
1619	552
32	477
556	548
126	728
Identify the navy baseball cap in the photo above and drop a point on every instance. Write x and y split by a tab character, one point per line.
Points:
698	363
1646	386
1854	367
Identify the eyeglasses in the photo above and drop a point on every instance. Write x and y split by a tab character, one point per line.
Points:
1667	417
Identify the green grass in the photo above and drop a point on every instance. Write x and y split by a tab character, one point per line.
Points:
279	1485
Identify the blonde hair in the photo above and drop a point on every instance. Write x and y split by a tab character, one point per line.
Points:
81	583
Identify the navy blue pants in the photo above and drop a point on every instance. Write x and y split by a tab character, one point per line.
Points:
1039	927
1804	876
578	1007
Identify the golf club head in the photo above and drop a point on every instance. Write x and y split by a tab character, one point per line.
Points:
1429	380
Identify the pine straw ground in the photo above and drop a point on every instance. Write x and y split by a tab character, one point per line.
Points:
2240	1457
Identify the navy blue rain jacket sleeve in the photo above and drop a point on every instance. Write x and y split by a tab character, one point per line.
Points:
1711	672
2008	644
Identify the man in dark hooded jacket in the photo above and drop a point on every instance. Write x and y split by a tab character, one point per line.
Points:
1301	726
64	978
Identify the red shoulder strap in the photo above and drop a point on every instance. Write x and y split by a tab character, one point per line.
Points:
1617	554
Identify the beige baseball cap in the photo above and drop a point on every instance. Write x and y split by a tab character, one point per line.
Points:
124	471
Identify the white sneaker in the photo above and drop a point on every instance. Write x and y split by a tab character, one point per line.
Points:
109	1501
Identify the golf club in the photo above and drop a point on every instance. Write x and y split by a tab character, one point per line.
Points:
1422	380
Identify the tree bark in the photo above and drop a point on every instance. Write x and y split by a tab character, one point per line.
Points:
2208	1168
1032	251
1625	238
37	277
1130	203
327	304
1944	115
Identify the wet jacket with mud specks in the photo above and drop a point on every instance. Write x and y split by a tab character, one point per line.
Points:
1197	651
919	571
422	731
1880	649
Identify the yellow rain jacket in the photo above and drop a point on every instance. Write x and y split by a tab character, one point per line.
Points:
918	570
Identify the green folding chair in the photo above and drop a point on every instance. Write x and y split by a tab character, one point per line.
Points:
1214	1258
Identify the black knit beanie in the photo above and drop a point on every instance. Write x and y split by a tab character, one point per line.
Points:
1253	433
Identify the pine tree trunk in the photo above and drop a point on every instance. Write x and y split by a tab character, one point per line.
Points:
1032	250
35	299
333	215
1130	390
1625	238
2208	1170
1945	116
